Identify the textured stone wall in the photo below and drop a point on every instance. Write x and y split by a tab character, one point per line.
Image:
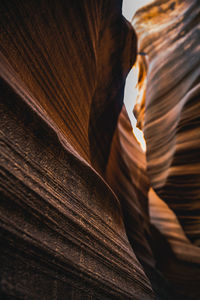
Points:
62	67
84	212
169	34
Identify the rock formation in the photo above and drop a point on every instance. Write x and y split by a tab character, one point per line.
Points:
169	35
84	213
63	66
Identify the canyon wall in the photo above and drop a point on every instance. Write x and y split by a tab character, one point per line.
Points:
63	66
84	212
169	36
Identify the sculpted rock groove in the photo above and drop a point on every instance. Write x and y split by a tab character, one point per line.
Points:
63	66
84	212
169	34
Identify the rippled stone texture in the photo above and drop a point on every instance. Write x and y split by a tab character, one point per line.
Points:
126	174
76	187
169	34
62	67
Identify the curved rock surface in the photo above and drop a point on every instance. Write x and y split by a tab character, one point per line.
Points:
126	174
62	67
55	56
84	213
169	34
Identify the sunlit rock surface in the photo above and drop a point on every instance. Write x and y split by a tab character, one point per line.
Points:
84	212
169	35
55	55
126	174
62	67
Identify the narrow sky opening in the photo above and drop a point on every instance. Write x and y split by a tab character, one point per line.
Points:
129	9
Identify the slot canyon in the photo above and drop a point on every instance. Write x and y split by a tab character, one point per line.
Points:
87	210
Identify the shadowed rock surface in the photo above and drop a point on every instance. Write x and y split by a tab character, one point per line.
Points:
63	66
84	212
169	34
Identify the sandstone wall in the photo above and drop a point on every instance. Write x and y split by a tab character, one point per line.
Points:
62	67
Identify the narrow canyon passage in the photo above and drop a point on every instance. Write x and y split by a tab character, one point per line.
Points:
100	180
167	110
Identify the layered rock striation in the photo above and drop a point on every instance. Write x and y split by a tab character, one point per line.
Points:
84	212
169	34
62	67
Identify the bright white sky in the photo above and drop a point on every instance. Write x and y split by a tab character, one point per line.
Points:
129	8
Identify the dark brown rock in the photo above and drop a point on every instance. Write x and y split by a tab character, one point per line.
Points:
62	67
168	32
